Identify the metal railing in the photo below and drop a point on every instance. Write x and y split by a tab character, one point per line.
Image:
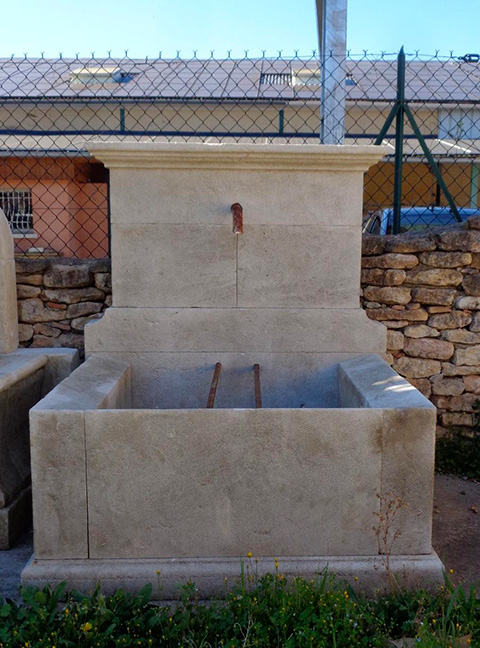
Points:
50	107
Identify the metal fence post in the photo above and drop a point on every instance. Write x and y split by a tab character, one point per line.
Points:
399	122
332	34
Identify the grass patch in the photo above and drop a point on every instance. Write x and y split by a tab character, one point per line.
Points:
268	611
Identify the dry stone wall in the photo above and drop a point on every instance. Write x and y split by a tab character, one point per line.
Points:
57	298
425	288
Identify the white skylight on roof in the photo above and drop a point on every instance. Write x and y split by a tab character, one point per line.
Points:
306	77
97	74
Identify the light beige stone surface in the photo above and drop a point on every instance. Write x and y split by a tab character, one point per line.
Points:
58	455
213	577
98	383
173	380
60	364
295	266
235	330
8	295
19	390
224	482
172	196
176	480
407	473
185	265
368	381
237	157
59	484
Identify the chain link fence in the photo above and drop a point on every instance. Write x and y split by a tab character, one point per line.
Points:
56	196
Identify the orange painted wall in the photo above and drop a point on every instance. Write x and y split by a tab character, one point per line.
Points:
70	214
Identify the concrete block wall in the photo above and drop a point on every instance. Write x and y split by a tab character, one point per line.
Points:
425	288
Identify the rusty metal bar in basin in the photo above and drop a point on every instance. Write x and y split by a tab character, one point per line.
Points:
258	391
214	385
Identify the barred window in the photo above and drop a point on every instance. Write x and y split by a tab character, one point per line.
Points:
17	207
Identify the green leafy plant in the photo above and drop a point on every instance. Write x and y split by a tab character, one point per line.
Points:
266	611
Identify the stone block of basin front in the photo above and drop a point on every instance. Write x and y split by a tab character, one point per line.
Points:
219	483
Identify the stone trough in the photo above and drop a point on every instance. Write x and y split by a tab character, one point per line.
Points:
133	474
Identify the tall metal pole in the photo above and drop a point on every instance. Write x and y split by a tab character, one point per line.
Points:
398	173
332	36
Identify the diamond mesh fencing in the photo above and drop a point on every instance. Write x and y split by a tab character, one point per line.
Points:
56	195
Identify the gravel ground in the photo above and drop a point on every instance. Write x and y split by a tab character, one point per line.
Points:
456	527
11	564
456	535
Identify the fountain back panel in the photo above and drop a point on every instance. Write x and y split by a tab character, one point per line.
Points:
243	255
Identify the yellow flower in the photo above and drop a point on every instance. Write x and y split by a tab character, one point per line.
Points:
249	554
451	571
276	563
87	626
158	572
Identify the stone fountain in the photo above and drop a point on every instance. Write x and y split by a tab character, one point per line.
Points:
234	398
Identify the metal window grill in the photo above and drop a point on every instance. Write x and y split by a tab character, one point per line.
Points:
17	207
49	108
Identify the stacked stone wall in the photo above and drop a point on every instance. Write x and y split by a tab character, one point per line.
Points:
425	289
56	298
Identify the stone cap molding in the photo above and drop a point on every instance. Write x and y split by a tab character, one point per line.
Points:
268	157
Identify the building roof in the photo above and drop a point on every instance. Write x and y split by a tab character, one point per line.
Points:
449	80
74	146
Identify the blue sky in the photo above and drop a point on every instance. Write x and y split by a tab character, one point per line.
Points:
145	27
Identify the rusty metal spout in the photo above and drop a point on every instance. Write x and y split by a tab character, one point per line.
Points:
237	211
